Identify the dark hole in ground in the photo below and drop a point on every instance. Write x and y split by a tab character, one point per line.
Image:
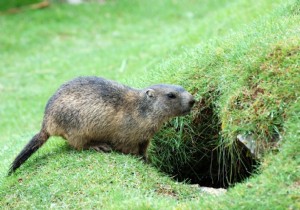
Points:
208	164
209	172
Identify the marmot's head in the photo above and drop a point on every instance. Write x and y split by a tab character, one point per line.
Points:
168	100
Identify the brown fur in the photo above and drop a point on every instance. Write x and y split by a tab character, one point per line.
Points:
91	112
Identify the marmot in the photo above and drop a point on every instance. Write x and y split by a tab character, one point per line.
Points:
92	112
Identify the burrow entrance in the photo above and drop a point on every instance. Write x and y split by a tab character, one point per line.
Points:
202	160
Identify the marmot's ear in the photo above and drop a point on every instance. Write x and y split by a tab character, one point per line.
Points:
150	93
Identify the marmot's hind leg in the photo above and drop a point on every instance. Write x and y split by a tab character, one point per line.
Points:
98	146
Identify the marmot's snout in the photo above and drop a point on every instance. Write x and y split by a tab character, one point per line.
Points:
188	105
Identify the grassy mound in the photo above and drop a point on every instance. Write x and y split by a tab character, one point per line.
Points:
246	83
240	59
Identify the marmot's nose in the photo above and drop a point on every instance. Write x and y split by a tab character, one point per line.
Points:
192	102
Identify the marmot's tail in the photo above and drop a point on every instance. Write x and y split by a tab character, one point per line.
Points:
35	143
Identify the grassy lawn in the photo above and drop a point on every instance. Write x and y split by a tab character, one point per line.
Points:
6	5
216	48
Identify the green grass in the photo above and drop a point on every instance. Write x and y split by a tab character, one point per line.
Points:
229	54
14	4
246	83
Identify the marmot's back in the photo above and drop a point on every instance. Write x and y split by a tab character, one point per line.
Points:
87	89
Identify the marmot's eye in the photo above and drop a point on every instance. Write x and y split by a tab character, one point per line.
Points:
171	95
